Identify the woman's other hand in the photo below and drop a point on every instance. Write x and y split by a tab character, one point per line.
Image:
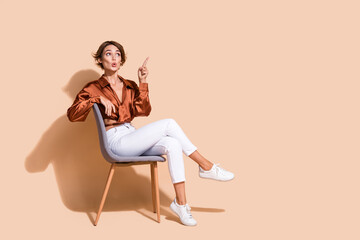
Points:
143	72
109	107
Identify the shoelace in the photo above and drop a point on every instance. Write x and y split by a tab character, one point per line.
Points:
188	208
219	169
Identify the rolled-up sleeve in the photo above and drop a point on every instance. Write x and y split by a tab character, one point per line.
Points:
82	106
141	104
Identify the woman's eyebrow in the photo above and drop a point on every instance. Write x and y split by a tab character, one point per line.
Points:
110	50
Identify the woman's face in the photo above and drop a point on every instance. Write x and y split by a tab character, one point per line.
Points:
111	58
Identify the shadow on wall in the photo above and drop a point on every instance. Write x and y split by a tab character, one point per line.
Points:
81	171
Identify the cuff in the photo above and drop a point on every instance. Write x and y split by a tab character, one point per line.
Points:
143	87
95	99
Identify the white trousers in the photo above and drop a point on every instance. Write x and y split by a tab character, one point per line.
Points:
161	137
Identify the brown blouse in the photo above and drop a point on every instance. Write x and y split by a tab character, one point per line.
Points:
135	101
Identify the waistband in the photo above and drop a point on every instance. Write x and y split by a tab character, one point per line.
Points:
121	126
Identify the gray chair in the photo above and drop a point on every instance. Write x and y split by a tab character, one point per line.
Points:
117	161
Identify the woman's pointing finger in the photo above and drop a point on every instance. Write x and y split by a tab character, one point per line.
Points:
144	64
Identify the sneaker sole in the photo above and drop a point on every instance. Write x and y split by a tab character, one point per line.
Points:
221	180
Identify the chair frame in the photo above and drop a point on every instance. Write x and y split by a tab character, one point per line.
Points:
119	161
154	187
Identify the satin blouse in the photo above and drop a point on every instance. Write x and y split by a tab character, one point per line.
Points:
135	101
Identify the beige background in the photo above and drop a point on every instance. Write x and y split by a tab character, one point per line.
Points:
269	89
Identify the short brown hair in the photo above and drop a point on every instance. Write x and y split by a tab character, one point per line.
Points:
100	50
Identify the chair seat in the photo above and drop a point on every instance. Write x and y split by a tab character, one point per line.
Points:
121	159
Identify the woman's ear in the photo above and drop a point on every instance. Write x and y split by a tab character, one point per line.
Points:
98	60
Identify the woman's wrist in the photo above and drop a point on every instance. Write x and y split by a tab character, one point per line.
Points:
142	81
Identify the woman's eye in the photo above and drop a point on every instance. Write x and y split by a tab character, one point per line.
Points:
118	54
107	54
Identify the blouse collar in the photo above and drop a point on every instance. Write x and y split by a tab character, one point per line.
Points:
103	82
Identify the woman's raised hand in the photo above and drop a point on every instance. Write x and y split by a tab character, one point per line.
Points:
109	107
143	72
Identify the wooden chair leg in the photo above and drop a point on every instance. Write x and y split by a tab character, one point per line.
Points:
153	187
157	197
107	186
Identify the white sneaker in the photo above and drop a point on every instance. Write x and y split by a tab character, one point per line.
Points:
183	212
216	173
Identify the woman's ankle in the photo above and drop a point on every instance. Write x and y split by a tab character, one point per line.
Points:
180	202
207	166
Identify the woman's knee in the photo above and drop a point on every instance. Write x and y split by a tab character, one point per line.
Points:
167	122
171	123
170	120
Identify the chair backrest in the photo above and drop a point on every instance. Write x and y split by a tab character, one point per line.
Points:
104	145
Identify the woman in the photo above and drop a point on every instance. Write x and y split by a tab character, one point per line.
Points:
121	100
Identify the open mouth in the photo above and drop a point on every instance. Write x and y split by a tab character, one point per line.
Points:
113	65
